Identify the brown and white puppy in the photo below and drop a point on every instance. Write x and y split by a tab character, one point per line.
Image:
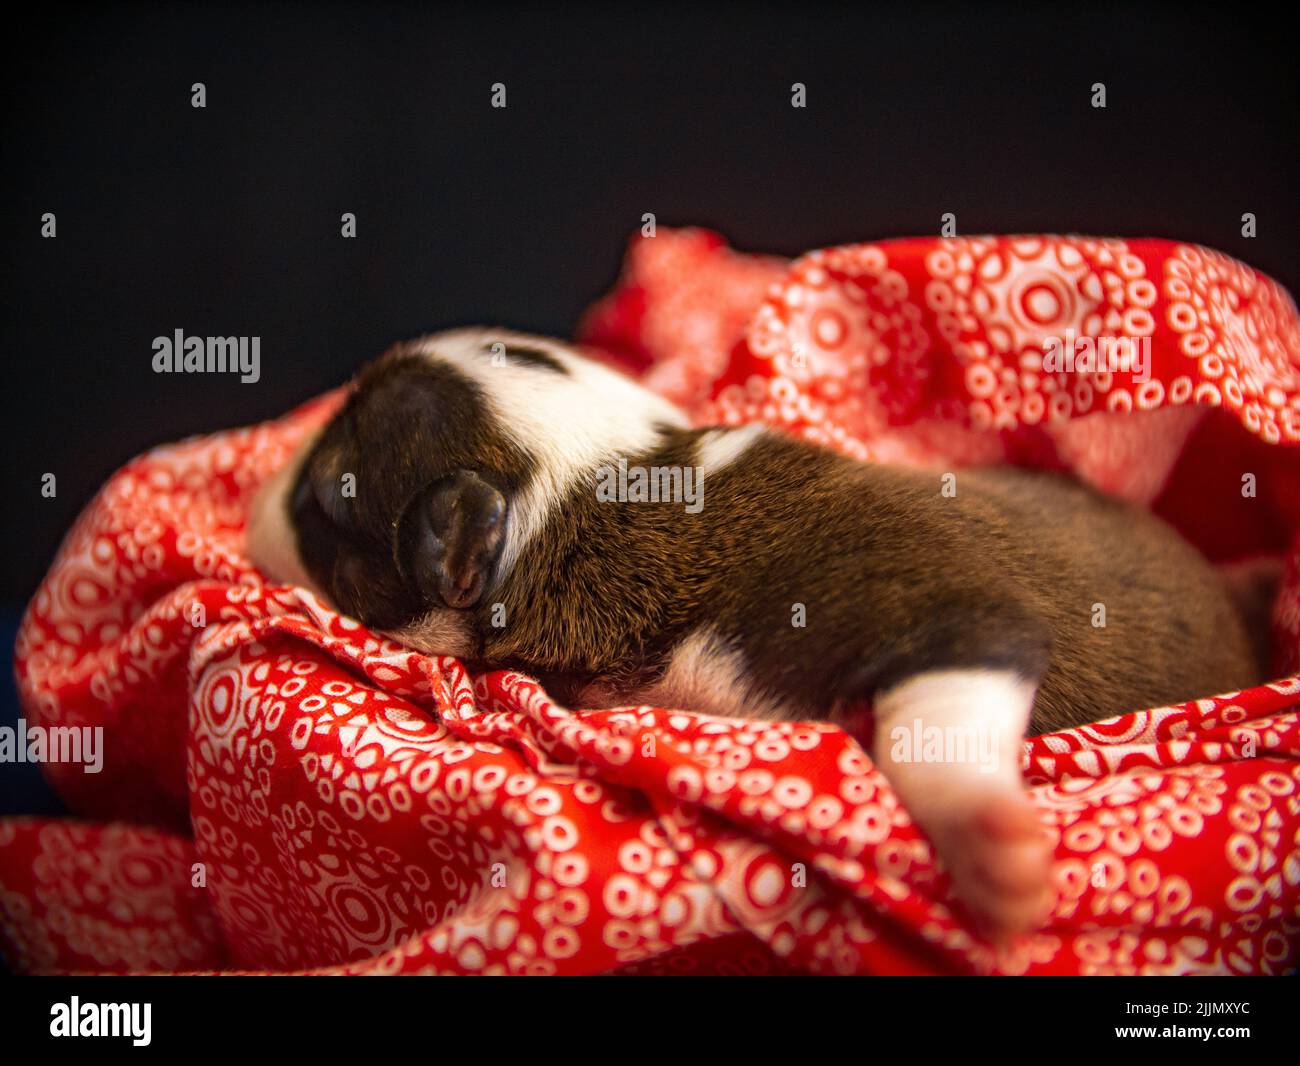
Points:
780	580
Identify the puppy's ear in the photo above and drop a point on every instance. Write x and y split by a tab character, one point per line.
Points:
449	537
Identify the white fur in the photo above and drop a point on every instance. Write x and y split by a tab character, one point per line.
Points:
272	543
997	703
570	424
440	632
719	448
704	674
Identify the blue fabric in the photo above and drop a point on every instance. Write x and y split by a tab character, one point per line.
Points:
23	788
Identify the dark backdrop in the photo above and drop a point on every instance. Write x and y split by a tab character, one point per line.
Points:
225	221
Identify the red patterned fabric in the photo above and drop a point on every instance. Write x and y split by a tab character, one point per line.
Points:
307	795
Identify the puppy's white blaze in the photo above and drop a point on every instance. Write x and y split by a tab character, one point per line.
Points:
270	537
995	703
571	424
719	448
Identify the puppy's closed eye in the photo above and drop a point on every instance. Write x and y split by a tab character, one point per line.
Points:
525	356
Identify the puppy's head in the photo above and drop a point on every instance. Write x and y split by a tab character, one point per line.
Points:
418	496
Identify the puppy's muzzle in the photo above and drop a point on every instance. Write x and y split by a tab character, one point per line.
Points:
449	537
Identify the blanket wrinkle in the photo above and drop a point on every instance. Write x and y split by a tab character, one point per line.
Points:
285	791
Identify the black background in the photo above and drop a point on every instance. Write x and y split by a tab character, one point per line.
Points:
225	220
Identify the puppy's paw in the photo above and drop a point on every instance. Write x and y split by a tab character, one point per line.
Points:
967	795
1000	861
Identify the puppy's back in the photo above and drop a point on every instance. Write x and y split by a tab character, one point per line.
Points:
1139	618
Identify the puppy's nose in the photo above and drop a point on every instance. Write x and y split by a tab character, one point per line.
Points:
449	537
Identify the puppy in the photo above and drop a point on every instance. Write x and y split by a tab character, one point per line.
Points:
499	512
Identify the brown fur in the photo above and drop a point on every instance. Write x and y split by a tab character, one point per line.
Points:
895	578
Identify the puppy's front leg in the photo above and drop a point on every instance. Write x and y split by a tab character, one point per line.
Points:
949	741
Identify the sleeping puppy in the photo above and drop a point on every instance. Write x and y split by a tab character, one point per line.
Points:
500	498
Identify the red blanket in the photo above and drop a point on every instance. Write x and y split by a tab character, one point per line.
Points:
284	790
